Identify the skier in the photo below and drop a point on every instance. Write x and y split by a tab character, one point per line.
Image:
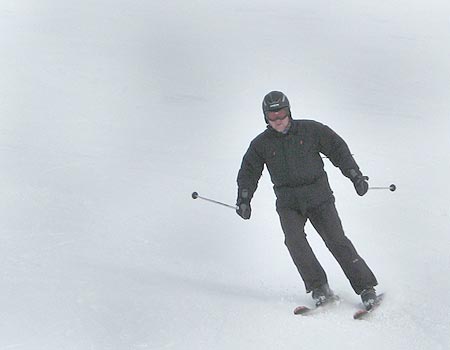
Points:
291	149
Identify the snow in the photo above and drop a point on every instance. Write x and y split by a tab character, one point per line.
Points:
113	112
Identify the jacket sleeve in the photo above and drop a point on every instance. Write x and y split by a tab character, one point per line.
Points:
251	170
335	148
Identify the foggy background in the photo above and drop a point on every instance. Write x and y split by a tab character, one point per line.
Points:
113	112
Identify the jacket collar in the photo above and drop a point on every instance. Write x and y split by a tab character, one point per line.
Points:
293	130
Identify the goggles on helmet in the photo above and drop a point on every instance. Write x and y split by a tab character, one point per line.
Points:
279	114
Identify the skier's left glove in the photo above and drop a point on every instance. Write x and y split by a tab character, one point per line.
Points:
243	208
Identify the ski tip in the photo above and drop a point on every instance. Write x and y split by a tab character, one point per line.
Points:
359	314
299	310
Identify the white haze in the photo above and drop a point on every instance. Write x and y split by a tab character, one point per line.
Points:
113	112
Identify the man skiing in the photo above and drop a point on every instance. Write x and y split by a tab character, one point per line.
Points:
291	150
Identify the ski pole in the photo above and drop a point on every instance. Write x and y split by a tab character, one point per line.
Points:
391	188
195	196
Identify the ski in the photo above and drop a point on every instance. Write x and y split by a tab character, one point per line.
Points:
364	313
306	310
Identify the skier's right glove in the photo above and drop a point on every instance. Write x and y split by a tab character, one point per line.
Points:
243	208
361	185
359	182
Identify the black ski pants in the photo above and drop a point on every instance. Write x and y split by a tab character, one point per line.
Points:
327	223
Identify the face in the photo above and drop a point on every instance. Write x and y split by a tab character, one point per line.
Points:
279	120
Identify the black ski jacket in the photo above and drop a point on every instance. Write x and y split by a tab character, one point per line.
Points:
295	163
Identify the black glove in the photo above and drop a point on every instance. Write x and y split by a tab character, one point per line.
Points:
244	210
359	181
361	184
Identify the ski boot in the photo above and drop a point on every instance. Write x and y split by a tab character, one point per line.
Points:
369	297
323	295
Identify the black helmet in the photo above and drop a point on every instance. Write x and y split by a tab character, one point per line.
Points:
274	101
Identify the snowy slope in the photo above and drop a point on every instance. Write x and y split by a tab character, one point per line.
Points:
113	112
